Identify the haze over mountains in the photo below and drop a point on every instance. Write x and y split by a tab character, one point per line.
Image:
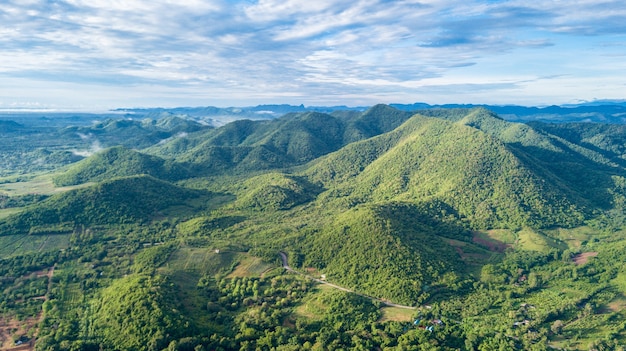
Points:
606	111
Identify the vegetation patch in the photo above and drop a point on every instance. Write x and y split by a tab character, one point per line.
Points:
251	266
396	314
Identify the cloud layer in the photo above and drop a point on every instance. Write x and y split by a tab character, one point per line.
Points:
113	53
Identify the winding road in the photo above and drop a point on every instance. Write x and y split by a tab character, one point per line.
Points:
283	257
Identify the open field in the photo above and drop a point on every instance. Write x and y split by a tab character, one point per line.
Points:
396	314
574	237
202	260
311	308
11	245
250	266
531	240
38	185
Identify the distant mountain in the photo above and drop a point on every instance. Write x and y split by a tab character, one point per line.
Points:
10	126
601	112
133	133
291	140
219	116
605	111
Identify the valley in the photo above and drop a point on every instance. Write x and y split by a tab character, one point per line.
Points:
387	228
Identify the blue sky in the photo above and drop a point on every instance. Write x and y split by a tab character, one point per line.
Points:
99	54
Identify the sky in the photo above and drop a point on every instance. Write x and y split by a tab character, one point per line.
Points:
101	54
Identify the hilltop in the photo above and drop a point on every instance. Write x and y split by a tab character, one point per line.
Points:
120	162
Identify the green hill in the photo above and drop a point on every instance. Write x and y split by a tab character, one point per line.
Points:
274	191
135	313
382	250
571	164
119	162
376	120
430	159
121	200
294	139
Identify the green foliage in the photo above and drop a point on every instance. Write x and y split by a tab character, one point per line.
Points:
119	162
381	251
153	257
382	202
121	200
477	175
274	191
135	313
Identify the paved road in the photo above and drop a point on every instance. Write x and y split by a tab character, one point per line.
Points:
283	257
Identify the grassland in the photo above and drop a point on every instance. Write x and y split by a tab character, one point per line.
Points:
25	244
41	184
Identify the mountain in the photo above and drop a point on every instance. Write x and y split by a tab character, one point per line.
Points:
274	191
120	162
116	201
10	126
613	112
294	139
489	170
382	250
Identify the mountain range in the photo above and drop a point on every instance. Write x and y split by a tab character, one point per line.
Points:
407	204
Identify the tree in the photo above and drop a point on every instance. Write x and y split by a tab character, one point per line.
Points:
557	326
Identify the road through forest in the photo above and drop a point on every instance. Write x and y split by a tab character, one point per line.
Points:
283	257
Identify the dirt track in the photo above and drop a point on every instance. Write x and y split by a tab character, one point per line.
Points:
283	257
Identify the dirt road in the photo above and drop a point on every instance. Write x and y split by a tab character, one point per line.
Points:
283	257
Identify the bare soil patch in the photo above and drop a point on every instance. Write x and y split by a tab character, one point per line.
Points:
491	244
583	258
12	327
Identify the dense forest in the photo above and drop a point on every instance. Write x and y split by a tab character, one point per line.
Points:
383	229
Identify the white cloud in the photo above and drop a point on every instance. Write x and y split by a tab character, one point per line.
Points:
214	52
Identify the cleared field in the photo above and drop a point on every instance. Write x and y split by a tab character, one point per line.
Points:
575	237
311	307
473	256
202	260
38	185
534	241
250	266
8	211
396	314
12	245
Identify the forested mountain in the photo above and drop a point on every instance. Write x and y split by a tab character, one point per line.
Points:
115	201
120	162
294	139
487	178
383	251
491	234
